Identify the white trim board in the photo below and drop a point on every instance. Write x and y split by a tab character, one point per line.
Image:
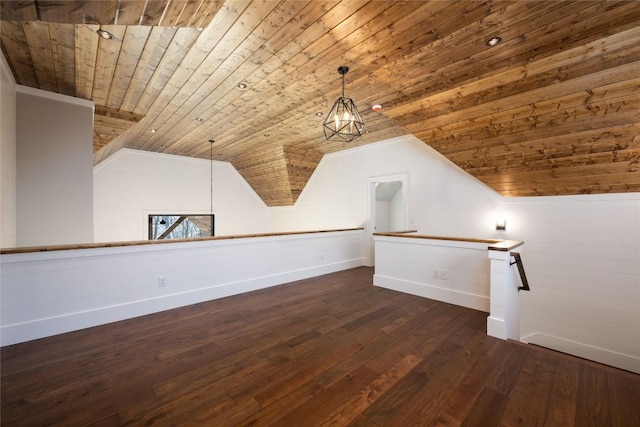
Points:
464	299
586	351
54	96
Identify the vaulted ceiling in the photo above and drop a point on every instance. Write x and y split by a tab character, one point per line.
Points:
552	109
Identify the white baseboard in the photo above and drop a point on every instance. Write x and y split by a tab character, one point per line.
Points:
464	299
597	354
496	328
40	328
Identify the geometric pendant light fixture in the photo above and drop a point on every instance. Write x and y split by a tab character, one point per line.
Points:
344	121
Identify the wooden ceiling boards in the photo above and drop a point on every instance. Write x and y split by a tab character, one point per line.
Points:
553	109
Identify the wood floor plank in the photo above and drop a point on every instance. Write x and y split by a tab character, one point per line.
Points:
429	378
331	351
623	392
330	399
487	409
413	329
560	413
394	401
461	360
382	353
593	400
317	359
269	415
493	365
354	406
562	408
530	396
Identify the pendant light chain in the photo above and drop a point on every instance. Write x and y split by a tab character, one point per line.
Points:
211	177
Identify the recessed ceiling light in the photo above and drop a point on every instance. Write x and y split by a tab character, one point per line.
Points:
153	131
104	34
266	135
319	113
493	41
242	86
199	119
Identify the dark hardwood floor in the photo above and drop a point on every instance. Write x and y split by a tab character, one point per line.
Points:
332	350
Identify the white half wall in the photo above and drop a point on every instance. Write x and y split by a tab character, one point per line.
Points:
48	293
7	156
54	168
449	271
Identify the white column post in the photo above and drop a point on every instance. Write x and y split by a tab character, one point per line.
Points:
504	317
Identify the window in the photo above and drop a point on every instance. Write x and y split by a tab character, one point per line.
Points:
180	226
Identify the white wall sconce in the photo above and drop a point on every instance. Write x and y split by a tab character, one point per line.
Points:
501	225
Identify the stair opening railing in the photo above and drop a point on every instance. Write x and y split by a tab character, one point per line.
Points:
523	276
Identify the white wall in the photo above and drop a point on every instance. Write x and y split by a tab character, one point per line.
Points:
582	260
382	216
132	184
442	199
54	168
7	156
389	214
396	219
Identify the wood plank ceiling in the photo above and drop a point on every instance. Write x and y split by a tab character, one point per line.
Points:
553	109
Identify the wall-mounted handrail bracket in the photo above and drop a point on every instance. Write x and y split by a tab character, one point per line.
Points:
523	276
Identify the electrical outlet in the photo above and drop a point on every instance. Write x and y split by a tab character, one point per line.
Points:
440	274
162	281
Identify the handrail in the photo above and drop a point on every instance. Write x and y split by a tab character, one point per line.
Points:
30	249
523	276
421	236
493	244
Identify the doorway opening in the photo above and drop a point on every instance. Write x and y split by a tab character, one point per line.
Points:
388	208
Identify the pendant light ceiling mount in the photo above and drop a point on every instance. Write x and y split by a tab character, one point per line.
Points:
344	121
